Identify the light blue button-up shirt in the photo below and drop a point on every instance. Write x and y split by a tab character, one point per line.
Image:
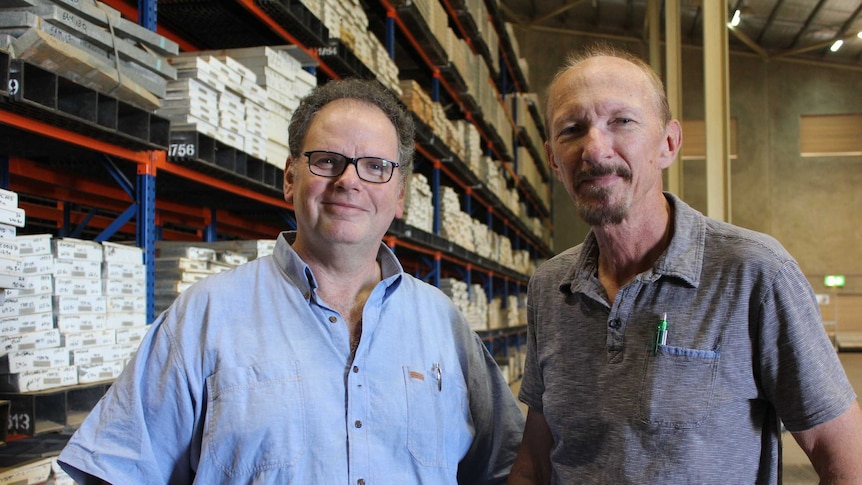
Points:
247	378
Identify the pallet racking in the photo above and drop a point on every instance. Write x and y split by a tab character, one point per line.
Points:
89	165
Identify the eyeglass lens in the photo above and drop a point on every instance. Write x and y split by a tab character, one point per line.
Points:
370	169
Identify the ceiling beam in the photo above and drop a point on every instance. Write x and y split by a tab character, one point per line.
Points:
807	23
745	39
520	19
600	35
812	47
850	21
770	20
555	12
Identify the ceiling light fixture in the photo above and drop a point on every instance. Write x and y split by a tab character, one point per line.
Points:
859	34
836	45
737	18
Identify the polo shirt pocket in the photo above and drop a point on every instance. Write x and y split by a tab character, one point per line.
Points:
255	418
433	408
678	387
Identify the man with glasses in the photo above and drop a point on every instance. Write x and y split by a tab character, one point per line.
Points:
324	363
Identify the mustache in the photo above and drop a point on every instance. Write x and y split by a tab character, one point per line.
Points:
593	171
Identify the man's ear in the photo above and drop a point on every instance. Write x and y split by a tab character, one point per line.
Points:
671	144
552	162
288	180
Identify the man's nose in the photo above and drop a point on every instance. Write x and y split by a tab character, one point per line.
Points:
597	145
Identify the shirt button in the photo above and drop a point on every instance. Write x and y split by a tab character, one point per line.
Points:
332	319
615	323
358	423
355	369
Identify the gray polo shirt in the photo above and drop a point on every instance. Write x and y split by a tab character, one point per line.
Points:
745	346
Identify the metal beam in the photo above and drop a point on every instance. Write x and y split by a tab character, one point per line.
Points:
808	22
770	20
555	12
717	109
749	42
673	83
812	47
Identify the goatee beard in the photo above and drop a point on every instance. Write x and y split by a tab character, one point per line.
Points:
594	203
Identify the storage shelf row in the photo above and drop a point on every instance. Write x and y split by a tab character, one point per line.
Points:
50	411
446	74
222	24
59	141
41	95
223	162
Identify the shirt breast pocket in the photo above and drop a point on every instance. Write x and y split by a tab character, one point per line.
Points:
433	410
678	387
255	418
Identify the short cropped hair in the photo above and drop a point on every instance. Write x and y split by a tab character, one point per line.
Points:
604	49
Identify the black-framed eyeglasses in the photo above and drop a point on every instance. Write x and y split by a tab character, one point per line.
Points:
375	170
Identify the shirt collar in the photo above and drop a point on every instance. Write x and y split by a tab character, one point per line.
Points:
682	259
296	270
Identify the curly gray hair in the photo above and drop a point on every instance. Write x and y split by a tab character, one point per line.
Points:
368	91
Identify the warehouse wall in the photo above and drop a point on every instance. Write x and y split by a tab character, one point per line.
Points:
811	205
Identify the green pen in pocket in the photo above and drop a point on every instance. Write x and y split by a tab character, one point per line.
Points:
660	334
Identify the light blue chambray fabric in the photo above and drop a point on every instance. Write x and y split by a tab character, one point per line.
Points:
247	378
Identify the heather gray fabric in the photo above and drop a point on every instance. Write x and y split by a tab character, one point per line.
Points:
745	346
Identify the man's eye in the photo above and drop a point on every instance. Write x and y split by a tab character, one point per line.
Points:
374	166
571	130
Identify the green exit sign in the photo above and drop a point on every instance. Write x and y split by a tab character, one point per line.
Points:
834	280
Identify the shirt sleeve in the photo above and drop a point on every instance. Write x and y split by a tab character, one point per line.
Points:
497	420
532	385
800	371
141	430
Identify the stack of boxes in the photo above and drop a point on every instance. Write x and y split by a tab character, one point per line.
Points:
473	304
192	101
513	39
91	44
455	224
527	166
433	115
243	98
417	100
280	83
495	320
346	20
79	316
38	471
487	33
179	265
456	290
513	315
11	217
483	239
420	206
434	15
473	148
477	311
124	284
207	98
30	344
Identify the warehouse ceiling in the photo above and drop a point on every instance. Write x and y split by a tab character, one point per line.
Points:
771	29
